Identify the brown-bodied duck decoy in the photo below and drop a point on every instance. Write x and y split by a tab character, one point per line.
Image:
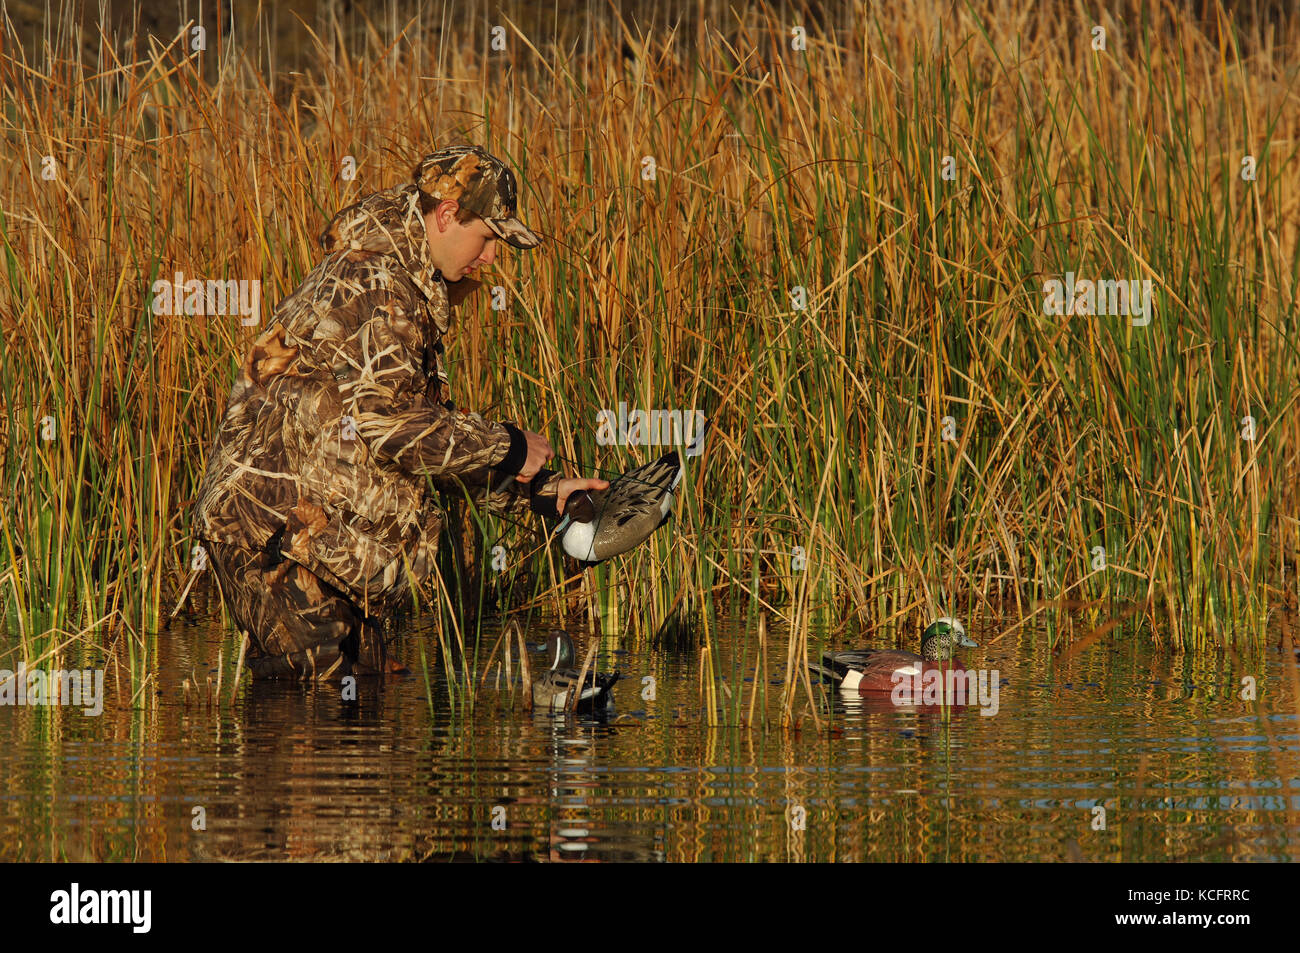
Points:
862	671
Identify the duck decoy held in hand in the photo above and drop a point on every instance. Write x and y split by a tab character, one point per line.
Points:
623	515
553	688
873	670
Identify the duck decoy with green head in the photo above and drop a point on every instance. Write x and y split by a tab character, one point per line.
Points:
862	671
609	522
554	688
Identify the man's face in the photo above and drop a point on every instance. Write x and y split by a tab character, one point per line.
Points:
454	248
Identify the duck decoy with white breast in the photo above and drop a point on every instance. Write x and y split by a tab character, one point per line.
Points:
602	523
554	688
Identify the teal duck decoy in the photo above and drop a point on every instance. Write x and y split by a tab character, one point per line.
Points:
623	515
862	671
552	689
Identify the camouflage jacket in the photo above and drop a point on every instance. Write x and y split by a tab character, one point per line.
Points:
341	410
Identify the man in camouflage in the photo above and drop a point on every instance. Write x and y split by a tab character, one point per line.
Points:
314	507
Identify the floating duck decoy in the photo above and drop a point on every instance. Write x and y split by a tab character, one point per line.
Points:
602	523
553	688
873	670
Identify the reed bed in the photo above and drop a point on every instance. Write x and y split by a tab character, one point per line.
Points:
840	259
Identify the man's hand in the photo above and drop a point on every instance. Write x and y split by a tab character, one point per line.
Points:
570	485
539	452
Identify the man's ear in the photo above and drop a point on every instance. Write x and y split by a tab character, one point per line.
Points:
458	291
452	208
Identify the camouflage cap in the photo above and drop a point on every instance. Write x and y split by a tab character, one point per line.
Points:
480	182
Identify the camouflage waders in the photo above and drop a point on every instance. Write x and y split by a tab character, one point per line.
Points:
297	625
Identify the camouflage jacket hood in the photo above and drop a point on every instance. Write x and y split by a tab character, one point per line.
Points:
340	411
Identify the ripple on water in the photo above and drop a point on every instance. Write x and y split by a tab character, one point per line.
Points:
293	774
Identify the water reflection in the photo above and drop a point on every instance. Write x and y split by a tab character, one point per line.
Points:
578	794
1122	753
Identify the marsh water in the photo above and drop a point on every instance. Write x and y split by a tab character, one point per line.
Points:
1122	752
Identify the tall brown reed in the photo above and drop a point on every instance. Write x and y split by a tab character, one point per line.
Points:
839	257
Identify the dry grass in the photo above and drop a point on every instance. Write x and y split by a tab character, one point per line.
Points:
775	168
